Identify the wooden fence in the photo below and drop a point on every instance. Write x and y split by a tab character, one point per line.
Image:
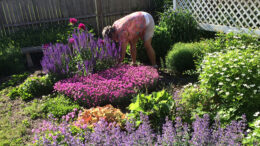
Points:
16	14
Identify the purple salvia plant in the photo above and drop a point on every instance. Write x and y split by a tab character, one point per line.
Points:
63	59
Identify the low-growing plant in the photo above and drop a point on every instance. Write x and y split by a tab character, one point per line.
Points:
34	109
182	56
104	133
13	94
14	80
59	106
157	106
36	86
110	86
110	114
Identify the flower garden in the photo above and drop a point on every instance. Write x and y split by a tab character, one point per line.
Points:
205	92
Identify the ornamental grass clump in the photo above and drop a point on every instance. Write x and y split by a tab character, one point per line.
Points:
114	84
173	133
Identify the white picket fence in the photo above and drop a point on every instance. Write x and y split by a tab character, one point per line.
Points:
224	15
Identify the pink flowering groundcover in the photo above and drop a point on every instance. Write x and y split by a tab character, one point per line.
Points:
108	86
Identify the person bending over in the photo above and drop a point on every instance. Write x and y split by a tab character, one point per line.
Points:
129	29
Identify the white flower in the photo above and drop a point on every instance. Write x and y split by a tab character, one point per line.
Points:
237	78
227	93
248	130
256	114
253	85
220	83
243	75
227	79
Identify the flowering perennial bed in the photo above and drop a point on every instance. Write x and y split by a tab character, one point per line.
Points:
177	133
109	85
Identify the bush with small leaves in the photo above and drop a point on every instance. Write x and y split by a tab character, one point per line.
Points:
183	56
59	106
36	86
232	79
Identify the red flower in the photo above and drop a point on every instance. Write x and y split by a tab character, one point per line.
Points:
73	20
82	26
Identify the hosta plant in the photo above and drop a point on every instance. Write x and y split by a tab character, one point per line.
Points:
94	115
157	106
112	85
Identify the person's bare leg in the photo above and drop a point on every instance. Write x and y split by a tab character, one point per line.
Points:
133	52
123	51
150	51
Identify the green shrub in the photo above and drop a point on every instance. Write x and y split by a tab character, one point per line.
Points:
183	56
180	24
59	106
161	44
157	106
13	94
35	109
36	86
233	78
196	101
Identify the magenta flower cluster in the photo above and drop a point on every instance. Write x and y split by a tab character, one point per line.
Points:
177	133
109	85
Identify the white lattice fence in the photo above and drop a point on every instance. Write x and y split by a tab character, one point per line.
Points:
224	15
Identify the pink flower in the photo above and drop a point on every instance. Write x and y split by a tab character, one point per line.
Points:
82	26
71	40
111	84
73	21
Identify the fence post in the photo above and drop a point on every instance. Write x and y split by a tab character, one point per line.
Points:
174	5
99	16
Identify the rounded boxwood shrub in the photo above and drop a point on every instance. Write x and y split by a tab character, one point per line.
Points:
161	43
182	56
233	78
